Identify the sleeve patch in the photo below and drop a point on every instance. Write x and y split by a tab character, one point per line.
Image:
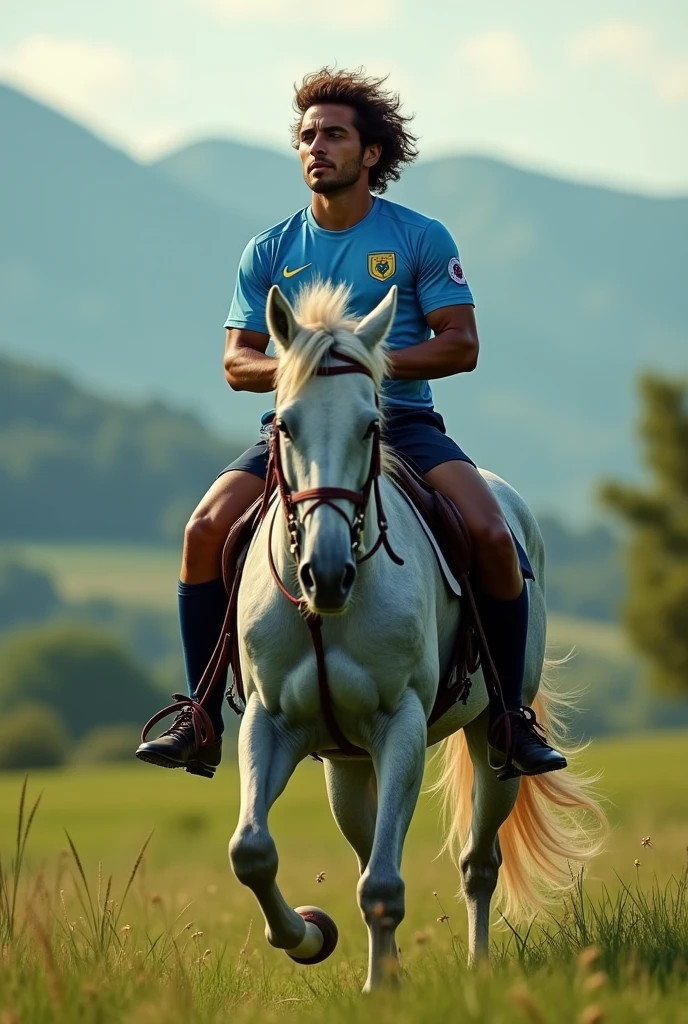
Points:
456	272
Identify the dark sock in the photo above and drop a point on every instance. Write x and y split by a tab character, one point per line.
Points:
506	629
202	608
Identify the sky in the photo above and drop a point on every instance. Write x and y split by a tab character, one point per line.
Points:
593	91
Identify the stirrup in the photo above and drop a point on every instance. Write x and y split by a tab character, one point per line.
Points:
204	730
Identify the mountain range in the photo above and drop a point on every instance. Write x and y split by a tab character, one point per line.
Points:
121	274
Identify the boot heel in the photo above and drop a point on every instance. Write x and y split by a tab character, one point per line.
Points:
202	770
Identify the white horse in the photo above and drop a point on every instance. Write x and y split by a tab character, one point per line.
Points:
388	634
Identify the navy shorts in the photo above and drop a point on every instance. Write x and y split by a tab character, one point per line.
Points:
418	435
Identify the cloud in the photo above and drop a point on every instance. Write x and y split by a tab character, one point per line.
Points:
80	76
633	47
626	43
498	62
69	72
349	13
672	84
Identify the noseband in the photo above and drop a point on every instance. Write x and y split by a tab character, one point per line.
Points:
320	496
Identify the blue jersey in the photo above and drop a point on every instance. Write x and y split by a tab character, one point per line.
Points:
391	245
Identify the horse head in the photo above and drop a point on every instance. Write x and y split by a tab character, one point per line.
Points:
326	444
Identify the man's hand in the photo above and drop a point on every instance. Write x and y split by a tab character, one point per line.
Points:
454	349
247	368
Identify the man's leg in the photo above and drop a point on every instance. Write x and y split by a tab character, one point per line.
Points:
202	606
202	597
503	601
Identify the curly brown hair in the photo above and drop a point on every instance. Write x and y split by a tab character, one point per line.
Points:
377	117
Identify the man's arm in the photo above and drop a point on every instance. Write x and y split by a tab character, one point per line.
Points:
247	367
454	349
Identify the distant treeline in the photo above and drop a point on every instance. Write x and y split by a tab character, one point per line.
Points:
74	466
78	467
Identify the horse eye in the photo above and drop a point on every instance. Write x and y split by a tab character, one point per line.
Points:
371	430
283	428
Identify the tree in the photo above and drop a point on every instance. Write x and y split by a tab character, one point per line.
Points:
656	609
80	671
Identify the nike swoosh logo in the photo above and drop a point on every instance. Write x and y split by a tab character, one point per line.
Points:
290	273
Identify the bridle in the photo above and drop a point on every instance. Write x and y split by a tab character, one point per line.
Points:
321	496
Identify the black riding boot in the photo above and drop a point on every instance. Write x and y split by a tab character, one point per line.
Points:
177	748
517	745
202	608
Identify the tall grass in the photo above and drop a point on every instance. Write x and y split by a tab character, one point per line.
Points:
10	877
644	928
76	951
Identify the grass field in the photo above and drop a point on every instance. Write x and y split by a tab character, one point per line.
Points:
136	973
124	573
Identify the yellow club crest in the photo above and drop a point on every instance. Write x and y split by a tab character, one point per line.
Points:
382	265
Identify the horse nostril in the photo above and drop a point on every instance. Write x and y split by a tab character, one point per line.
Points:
306	576
348	577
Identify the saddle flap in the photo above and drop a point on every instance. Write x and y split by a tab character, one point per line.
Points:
237	540
441	517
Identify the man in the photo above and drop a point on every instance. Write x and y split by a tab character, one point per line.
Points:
352	141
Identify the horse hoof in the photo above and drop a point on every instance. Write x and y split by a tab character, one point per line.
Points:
327	928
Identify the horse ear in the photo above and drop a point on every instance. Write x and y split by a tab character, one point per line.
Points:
375	327
282	323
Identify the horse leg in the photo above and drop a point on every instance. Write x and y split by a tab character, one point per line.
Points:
480	858
268	755
398	752
353	800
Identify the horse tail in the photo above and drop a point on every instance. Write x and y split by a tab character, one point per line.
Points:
556	821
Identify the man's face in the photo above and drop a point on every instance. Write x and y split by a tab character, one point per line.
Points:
330	148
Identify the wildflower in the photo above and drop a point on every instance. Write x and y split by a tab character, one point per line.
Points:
595	982
646	841
196	936
421	938
587	958
525	1002
126	929
637	862
443	919
320	877
592	1015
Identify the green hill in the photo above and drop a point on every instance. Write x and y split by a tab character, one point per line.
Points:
122	274
77	466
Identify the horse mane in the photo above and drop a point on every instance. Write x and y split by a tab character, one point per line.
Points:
321	309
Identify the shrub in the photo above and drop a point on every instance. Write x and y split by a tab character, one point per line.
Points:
26	595
32	736
108	744
85	674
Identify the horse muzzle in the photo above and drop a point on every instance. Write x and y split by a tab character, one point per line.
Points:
327	585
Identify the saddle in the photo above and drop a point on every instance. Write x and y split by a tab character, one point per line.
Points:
470	648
